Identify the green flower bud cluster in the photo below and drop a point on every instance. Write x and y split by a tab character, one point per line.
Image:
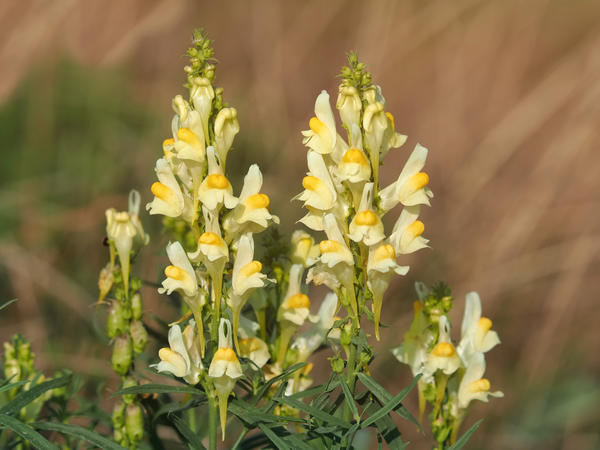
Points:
128	419
355	73
18	365
201	57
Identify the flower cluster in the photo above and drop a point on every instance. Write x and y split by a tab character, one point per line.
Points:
451	376
125	237
344	199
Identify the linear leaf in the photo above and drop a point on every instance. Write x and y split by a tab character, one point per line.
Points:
153	388
387	428
8	387
390	405
384	396
279	443
322	388
7	303
460	443
315	412
26	432
192	438
24	398
82	433
349	399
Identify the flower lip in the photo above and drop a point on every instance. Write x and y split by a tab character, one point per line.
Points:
161	191
418	181
385	251
257	201
217	181
317	126
209	238
297	301
329	246
175	273
251	268
311	183
366	218
225	354
481	385
355	156
416	228
484	324
444	349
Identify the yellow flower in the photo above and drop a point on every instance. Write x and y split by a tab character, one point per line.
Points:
180	274
381	267
443	356
168	197
303	249
472	385
406	236
410	188
252	212
311	340
319	191
366	225
216	190
224	370
476	333
226	127
182	357
256	350
322	134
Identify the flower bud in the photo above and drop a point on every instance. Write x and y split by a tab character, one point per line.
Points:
134	423
122	354
116	323
139	336
136	306
129	382
11	363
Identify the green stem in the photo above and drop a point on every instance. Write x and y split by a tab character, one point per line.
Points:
216	317
286	334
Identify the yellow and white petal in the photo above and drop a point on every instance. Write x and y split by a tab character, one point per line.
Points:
226	127
189	145
303	249
171	362
180	274
349	105
375	124
443	356
406	235
168	198
476	333
322	134
354	166
256	350
294	309
319	191
216	189
382	259
472	385
202	95
366	226
246	272
410	188
320	274
334	250
211	247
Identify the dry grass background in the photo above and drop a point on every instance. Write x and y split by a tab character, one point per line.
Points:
505	95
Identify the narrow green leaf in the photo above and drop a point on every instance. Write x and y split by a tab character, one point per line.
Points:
79	432
26	432
279	443
460	443
386	428
24	398
315	412
159	389
384	396
253	415
349	399
390	405
16	384
192	438
320	389
7	303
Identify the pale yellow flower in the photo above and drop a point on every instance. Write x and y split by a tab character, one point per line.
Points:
322	134
182	357
303	249
224	370
255	349
410	188
216	189
407	233
202	95
476	332
180	274
349	105
472	385
366	226
319	191
311	340
443	356
226	127
168	197
252	212
381	267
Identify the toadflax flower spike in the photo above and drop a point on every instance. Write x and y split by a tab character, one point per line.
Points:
224	370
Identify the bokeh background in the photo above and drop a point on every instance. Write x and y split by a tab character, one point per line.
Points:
505	94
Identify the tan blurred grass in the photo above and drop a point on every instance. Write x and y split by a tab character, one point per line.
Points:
504	94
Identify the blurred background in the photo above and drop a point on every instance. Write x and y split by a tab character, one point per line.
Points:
506	95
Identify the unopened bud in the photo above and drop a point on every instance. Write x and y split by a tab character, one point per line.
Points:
136	306
116	323
118	415
12	370
139	336
122	354
129	382
134	424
